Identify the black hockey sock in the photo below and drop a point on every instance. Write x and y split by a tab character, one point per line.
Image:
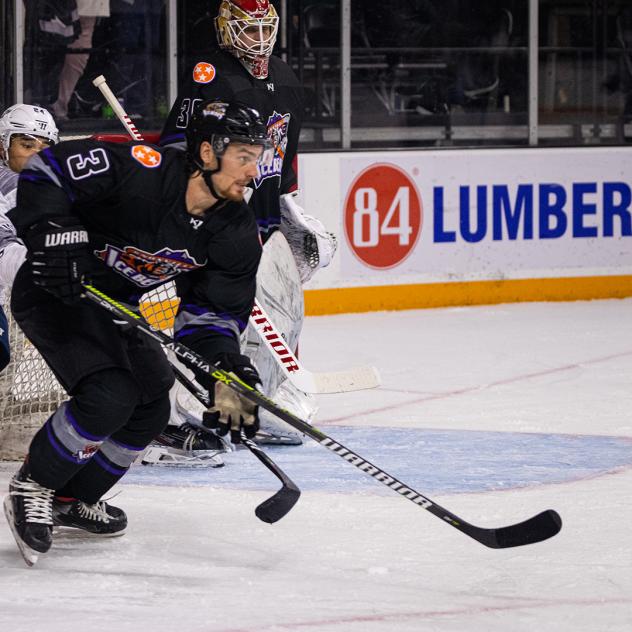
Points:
74	434
118	452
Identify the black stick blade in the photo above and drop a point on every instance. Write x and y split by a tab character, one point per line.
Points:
277	506
541	527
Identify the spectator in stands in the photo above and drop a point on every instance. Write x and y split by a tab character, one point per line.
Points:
74	62
49	28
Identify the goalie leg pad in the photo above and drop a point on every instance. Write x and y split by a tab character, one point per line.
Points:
280	293
272	430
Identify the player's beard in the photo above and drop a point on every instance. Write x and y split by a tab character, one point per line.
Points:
237	191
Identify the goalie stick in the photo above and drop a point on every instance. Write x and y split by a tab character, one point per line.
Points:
354	379
537	528
277	506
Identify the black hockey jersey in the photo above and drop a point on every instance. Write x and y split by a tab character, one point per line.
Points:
130	197
279	100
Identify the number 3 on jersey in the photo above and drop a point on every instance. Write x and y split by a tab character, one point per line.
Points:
383	216
83	166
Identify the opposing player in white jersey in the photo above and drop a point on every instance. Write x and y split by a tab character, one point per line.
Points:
24	130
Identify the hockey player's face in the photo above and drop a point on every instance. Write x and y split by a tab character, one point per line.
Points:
22	148
239	167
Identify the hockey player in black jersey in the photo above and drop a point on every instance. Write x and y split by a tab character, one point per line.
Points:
244	68
129	217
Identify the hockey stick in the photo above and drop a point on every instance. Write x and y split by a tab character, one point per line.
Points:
333	382
278	505
540	527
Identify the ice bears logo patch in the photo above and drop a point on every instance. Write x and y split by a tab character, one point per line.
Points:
147	156
147	268
278	125
203	72
87	452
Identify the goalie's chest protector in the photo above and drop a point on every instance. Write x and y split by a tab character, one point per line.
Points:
278	99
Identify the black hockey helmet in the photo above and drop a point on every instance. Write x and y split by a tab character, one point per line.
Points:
221	123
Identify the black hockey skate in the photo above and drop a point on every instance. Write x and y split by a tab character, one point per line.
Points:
28	508
98	519
186	446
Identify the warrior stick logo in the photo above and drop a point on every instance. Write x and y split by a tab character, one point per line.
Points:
278	125
376	472
278	345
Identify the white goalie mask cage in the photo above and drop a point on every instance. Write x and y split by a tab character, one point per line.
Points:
248	29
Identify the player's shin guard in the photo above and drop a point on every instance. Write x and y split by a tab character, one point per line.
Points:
67	442
61	448
119	451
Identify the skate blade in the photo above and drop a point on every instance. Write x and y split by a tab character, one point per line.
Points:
63	532
173	457
29	555
265	438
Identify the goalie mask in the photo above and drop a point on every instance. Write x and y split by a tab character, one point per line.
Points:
220	124
248	29
26	120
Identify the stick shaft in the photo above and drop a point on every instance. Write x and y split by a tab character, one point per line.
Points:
117	108
535	529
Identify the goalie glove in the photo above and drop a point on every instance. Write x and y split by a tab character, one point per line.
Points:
59	256
229	410
312	245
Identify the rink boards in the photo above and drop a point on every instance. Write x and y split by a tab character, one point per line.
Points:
458	227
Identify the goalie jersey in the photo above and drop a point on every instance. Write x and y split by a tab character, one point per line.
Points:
130	197
279	99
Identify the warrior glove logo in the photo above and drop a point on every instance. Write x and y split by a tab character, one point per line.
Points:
52	240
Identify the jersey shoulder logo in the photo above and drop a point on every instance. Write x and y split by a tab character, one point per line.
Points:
147	156
203	72
277	125
147	268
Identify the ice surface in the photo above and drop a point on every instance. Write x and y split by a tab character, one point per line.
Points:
495	412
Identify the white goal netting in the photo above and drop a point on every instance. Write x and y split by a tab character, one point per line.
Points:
29	394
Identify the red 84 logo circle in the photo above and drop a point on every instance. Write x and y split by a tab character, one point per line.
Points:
383	216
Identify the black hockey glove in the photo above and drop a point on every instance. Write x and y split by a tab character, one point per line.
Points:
59	256
229	410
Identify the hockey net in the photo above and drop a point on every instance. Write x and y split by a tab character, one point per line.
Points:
29	391
29	394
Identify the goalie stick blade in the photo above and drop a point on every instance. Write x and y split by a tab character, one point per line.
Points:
277	506
356	379
536	529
